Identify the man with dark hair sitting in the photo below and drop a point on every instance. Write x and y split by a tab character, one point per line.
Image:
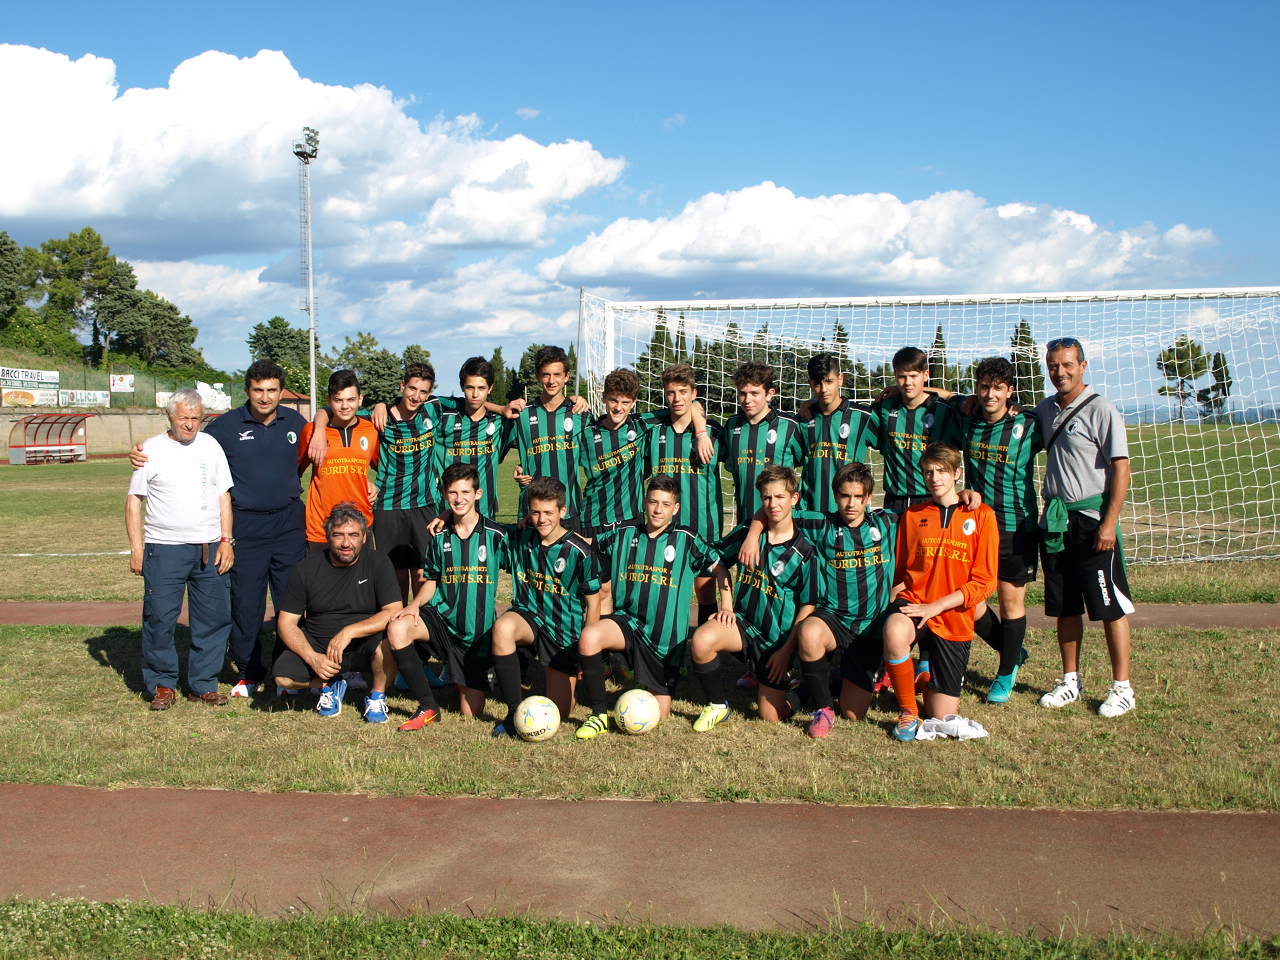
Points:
334	614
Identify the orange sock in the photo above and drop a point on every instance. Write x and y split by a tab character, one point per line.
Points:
903	677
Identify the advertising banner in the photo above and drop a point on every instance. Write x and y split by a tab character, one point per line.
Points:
84	398
122	383
22	379
11	397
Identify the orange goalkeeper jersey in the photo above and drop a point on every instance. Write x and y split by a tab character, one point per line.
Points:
945	549
344	476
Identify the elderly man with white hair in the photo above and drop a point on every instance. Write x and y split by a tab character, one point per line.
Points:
183	546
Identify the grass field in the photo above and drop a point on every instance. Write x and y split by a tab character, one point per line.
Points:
77	928
79	508
1204	737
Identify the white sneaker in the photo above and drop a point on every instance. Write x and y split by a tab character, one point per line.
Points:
1120	700
1062	694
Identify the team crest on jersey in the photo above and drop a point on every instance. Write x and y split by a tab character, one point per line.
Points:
1016	432
1073	427
670	553
292	437
928	420
874	534
491	430
428	424
568	424
773	436
969	526
844	431
482	553
364	443
559	567
631	434
777	568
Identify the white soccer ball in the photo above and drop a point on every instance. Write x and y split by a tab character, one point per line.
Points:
637	712
537	718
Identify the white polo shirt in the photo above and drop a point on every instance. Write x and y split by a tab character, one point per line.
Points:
182	483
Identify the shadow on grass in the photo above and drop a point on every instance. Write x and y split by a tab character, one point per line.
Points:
120	649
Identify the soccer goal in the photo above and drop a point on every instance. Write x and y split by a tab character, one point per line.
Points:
1195	372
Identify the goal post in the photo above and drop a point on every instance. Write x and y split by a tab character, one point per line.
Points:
1196	374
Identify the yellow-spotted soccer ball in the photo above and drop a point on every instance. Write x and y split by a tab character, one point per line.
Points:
537	718
637	712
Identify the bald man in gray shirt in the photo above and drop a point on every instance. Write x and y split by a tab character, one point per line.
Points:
1086	482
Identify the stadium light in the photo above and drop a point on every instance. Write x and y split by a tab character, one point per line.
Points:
306	150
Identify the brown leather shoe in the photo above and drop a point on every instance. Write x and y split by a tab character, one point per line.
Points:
165	697
213	698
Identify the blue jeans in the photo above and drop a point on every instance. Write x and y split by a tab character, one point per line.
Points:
169	570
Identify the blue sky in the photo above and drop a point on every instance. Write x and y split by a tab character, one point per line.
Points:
719	149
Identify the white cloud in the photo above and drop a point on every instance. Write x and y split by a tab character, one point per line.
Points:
674	122
213	147
953	241
528	113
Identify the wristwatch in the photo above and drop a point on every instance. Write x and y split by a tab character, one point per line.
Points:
230	540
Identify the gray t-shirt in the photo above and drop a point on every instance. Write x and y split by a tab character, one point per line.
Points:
1080	459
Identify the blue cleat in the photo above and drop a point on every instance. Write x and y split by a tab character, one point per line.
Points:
908	726
375	708
331	694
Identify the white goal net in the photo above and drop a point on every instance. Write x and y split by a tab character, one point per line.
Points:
1193	371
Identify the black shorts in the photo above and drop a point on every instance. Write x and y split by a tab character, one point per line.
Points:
1080	577
402	535
652	672
947	658
756	656
1020	552
469	665
861	654
899	504
548	649
354	659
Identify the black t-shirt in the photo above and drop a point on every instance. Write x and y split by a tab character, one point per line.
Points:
329	598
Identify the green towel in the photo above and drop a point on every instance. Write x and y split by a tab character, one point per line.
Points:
1056	514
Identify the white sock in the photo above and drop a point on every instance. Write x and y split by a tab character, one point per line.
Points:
1120	684
1072	678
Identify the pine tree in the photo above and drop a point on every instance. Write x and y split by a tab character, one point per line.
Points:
939	374
1028	373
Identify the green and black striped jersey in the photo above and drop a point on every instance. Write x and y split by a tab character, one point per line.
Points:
766	598
547	444
905	433
829	441
611	460
999	462
653	580
858	563
551	581
466	574
406	458
675	453
483	442
746	447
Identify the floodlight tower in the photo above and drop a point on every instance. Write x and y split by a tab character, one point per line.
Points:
306	150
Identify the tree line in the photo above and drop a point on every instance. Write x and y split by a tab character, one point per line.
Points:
716	359
68	288
380	370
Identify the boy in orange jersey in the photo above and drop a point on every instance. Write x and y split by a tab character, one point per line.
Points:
947	561
352	450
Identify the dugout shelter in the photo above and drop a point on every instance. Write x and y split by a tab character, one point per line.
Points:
49	438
